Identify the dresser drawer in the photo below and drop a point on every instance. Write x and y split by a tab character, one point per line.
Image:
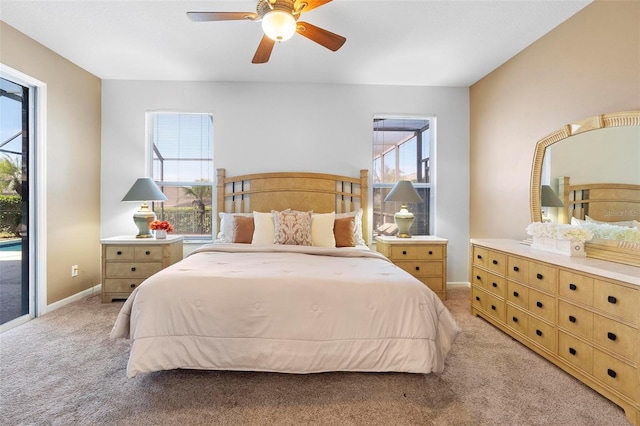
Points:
478	298
543	277
434	283
480	256
576	320
496	285
497	262
479	277
617	300
131	270
518	294
517	319
576	352
518	269
413	252
495	307
576	287
121	285
542	305
542	333
616	337
119	253
422	269
615	373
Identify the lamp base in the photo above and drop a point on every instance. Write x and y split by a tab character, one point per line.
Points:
404	220
142	218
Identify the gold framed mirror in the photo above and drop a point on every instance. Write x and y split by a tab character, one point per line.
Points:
626	193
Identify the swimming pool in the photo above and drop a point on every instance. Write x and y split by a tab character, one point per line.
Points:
11	245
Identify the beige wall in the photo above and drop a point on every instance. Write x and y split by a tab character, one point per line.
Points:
72	161
587	66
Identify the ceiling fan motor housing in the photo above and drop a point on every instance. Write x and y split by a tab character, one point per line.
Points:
265	6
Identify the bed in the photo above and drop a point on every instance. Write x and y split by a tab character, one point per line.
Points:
611	211
288	308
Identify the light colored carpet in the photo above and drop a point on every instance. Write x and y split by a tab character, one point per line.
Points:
62	369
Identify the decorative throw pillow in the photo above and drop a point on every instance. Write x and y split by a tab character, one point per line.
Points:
322	229
263	232
243	229
226	226
344	232
292	228
357	230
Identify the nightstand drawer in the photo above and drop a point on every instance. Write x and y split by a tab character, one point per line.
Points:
119	253
131	270
422	269
148	253
120	285
413	252
435	284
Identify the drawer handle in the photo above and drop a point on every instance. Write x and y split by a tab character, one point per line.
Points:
493	307
515	319
515	268
430	252
572	351
572	318
478	278
516	294
539	276
539	304
494	284
417	268
133	269
539	333
133	286
611	336
611	373
572	287
478	298
404	252
495	262
612	300
118	252
478	256
147	252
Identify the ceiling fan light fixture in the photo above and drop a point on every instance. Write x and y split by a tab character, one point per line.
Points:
279	25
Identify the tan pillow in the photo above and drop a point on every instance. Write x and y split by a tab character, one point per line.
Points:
243	228
343	231
292	228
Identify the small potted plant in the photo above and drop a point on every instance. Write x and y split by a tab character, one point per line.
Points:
161	227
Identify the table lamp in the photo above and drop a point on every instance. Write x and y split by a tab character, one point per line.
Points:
145	189
404	192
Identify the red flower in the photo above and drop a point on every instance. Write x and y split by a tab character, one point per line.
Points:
165	225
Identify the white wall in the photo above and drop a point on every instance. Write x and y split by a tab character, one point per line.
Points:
288	127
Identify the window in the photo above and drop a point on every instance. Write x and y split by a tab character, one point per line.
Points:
181	150
402	150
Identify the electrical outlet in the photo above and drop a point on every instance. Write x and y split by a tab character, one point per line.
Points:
74	271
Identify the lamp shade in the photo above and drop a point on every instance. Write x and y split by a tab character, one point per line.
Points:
404	192
279	25
145	189
549	198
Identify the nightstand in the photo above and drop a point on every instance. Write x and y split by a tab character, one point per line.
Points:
423	256
127	261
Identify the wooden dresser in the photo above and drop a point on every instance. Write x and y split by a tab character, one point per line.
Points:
582	314
128	261
423	256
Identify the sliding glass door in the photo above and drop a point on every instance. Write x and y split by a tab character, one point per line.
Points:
15	297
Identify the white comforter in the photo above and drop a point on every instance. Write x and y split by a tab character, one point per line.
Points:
288	309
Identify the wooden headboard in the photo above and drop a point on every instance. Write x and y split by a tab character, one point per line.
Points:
322	193
607	202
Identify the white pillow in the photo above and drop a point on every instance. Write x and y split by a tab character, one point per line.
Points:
226	226
627	223
264	229
577	222
322	229
357	230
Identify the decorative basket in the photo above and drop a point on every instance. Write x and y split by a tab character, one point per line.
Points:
565	247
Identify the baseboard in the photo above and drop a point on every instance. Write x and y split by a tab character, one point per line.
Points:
95	290
458	284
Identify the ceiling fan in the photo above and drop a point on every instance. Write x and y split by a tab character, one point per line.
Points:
279	22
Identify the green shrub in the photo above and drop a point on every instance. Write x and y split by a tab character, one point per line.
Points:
10	214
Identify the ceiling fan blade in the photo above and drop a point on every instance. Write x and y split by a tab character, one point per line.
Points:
308	5
264	50
222	16
323	37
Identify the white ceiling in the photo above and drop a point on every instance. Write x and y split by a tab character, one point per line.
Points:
395	42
